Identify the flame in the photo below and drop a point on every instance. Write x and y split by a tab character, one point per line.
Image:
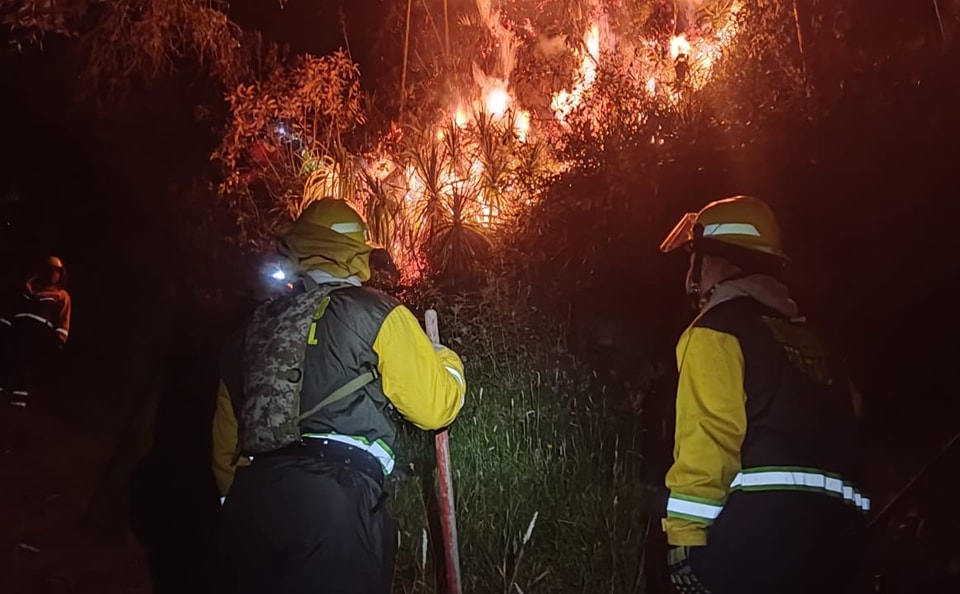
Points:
460	117
521	125
496	101
679	45
460	173
564	101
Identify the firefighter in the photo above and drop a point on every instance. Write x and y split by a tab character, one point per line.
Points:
763	491
311	516
38	325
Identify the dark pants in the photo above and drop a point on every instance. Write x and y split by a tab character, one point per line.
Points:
782	543
174	517
29	349
305	525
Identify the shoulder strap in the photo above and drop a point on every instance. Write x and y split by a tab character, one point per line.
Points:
338	394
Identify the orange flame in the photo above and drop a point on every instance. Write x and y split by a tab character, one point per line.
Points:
679	45
496	101
564	101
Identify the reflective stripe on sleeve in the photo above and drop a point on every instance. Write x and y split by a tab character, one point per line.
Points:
34	317
693	508
456	374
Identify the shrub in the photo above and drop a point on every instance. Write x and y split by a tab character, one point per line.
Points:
546	493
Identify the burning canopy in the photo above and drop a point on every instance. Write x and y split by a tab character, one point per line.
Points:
469	155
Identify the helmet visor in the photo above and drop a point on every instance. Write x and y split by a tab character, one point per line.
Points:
682	234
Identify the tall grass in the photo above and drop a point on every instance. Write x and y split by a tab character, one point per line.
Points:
545	494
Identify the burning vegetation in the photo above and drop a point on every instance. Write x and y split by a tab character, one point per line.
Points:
477	141
497	99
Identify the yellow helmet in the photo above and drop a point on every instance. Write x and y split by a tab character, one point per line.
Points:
336	215
741	221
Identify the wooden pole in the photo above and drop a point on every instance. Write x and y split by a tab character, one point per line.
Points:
448	516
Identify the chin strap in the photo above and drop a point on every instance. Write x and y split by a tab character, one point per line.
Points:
694	294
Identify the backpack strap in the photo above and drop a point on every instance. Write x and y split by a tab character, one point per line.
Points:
339	394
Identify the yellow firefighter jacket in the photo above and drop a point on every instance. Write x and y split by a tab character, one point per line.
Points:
423	381
760	406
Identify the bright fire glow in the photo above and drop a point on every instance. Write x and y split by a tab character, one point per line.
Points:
679	45
496	101
460	117
445	174
565	102
521	125
652	86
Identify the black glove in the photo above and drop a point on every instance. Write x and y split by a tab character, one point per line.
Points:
681	574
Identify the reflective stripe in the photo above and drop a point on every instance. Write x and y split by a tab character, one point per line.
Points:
730	229
347	227
691	508
35	317
377	449
65	333
455	373
772	479
6	322
222	499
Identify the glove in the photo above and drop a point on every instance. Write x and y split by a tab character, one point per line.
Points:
681	574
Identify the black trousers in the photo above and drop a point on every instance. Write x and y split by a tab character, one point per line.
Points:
783	542
300	524
28	351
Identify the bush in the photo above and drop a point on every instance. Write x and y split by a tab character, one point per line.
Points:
546	496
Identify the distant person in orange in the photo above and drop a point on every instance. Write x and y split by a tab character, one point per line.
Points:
37	325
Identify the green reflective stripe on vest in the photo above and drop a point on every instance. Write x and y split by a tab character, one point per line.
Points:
695	509
792	478
377	449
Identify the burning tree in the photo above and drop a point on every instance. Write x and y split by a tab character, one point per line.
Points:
507	98
493	122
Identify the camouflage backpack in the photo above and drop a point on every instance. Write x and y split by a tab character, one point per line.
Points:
273	362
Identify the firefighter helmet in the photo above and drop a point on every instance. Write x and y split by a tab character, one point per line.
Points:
54	262
740	221
336	215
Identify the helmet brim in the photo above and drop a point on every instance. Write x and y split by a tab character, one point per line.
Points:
683	234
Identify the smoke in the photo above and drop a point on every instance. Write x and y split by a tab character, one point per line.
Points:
506	40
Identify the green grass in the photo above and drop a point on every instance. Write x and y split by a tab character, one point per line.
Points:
529	443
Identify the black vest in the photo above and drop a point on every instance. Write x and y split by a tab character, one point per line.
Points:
799	406
341	350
